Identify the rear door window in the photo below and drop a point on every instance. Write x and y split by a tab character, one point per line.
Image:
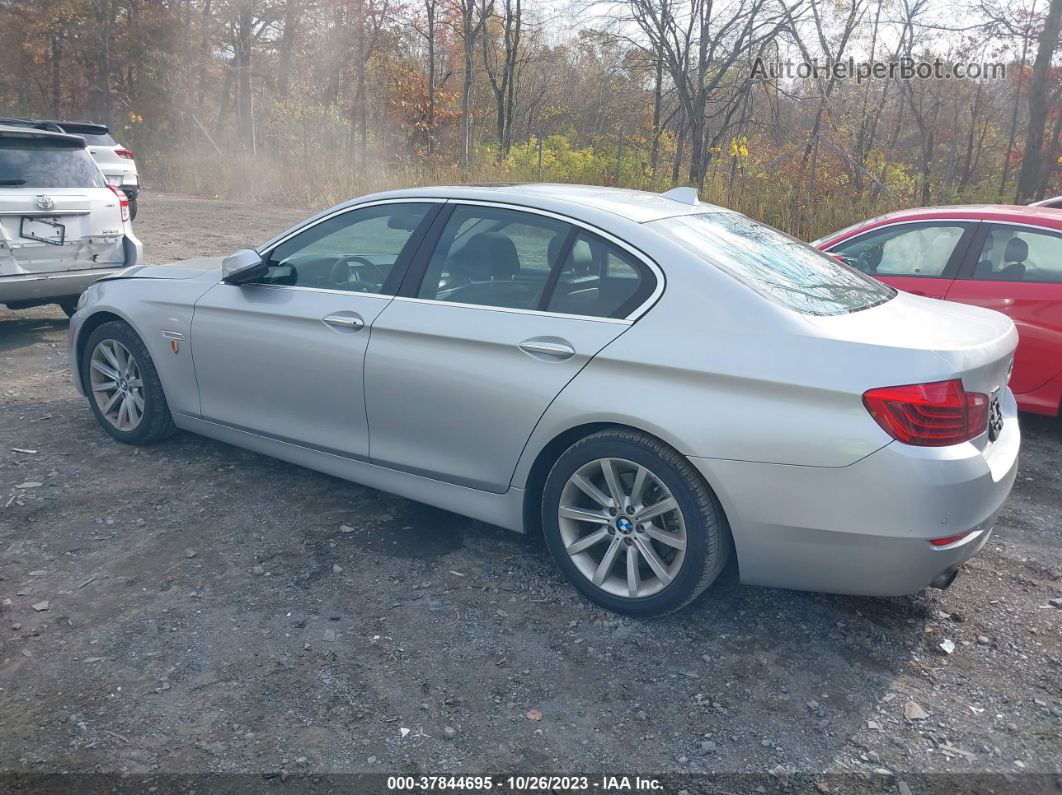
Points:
1019	254
492	256
777	266
917	249
25	163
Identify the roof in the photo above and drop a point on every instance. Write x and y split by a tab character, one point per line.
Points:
635	205
79	127
11	131
979	211
1001	213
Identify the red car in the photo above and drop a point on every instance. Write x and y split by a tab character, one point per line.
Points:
1001	257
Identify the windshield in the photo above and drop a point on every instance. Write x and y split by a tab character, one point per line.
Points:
28	164
776	265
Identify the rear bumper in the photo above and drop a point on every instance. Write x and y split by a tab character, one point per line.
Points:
42	287
865	528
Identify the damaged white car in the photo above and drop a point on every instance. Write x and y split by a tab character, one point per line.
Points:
61	225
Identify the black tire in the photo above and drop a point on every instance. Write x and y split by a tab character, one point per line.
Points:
707	532
132	209
68	305
156	422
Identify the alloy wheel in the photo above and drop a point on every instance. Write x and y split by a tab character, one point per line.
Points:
622	527
117	386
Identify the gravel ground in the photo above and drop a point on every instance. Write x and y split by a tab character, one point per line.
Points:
194	607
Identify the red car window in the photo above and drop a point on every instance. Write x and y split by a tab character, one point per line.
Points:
912	249
1019	254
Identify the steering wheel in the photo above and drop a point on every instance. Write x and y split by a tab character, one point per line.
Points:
869	258
341	270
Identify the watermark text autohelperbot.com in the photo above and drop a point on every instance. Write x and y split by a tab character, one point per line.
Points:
902	69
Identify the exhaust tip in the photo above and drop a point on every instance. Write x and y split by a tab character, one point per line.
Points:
944	579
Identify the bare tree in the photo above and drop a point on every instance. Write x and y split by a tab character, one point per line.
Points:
1032	164
501	71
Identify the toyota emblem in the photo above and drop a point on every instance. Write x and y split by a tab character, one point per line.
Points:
44	202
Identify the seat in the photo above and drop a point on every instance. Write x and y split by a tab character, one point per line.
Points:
1014	256
984	269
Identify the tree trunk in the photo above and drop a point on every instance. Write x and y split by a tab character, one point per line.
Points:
1032	165
1052	160
1014	110
679	144
658	90
431	6
244	107
287	44
468	33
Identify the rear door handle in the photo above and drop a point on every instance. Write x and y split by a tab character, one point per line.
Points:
549	348
346	321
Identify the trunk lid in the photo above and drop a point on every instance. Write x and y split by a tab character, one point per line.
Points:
975	344
967	342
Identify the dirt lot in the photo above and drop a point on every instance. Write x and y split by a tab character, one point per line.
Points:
208	609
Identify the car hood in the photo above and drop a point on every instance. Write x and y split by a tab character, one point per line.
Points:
197	268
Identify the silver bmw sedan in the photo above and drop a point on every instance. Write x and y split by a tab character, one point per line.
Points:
653	383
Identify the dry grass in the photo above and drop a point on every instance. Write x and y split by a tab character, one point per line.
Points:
322	180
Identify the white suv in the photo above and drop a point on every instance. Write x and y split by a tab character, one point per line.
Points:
115	161
62	226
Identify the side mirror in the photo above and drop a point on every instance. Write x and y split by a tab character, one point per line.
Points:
242	266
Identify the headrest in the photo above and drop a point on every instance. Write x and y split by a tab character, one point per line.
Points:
581	257
488	256
1017	250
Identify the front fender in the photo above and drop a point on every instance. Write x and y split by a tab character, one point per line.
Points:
160	311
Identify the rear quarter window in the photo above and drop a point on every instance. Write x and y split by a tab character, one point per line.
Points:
779	267
29	164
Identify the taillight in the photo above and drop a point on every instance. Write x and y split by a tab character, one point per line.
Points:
126	153
123	201
929	415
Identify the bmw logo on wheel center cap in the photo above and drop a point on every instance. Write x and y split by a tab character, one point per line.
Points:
623	524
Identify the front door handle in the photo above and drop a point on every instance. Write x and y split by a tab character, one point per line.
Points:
550	348
346	322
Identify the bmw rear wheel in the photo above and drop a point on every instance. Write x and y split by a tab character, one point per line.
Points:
632	524
123	386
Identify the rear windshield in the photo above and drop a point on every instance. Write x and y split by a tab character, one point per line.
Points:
776	265
96	140
24	164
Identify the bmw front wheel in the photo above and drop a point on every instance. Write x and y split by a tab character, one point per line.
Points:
632	524
123	386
